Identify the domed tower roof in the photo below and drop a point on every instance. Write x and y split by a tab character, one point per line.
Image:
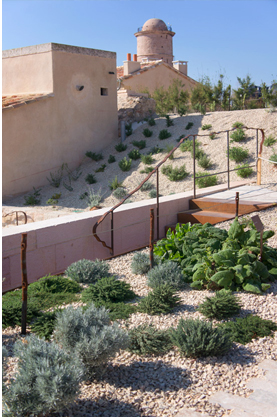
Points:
154	24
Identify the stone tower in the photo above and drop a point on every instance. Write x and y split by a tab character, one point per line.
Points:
154	42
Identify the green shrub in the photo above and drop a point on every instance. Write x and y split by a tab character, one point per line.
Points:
147	186
111	159
93	198
189	126
94	156
147	340
146	170
90	335
43	326
269	141
237	125
54	284
101	169
273	158
114	184
222	305
134	154
206	127
180	137
33	199
141	263
88	272
212	135
166	273
153	193
159	301
128	129
164	134
244	171
187	145
52	202
169	149
12	309
90	179
206	181
147	159
125	164
197	338
238	154
117	311
108	290
155	150
147	133
199	153
151	121
47	379
139	144
120	193
175	174
120	147
238	135
169	122
205	162
56	177
243	330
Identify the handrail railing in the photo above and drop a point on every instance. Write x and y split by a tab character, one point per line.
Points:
16	212
156	170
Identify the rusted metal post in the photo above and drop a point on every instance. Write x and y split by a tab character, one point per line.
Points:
24	282
158	206
228	161
259	169
112	242
194	183
151	239
257	142
237	204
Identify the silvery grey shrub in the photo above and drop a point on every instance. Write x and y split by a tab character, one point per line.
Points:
88	272
141	263
166	273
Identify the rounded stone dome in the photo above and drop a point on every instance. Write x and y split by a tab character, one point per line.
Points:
154	24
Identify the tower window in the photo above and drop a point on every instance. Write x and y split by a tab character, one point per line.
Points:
104	91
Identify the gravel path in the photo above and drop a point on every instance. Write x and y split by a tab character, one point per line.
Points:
136	386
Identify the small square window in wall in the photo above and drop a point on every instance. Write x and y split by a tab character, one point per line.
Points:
104	91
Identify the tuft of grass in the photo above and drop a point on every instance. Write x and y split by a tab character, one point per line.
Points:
94	156
206	181
204	162
245	171
222	305
212	135
187	145
147	159
273	158
169	149
120	193
147	133
128	129
146	170
151	121
155	150
189	126
269	141
120	147
175	174
169	122
111	159
238	154
237	125
147	340
101	169
164	134
147	186
139	144
161	300
238	135
134	154
125	164
90	179
206	127
114	184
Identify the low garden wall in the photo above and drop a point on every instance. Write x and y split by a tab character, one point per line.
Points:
54	244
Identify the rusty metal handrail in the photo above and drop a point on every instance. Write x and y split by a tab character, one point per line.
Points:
16	212
156	170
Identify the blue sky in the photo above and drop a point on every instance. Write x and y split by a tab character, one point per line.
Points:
230	37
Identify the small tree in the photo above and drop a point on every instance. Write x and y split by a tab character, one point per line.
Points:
202	95
245	91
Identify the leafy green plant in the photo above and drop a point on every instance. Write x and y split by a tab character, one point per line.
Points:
139	144
199	153
147	133
54	284
128	129
52	202
141	263
147	159
89	335
120	147
212	135
189	126
175	174
197	338
169	122
119	193
114	184
94	156
33	199
159	301
56	178
169	149
125	164
47	379
238	135
164	134
237	125
243	330
151	121
187	145
205	162
244	171
101	169
222	305
155	150
68	186
273	158
90	179
134	154
166	273
146	170
147	186
111	159
108	289
206	127
88	272
238	154
269	141
43	326
147	340
153	193
207	180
